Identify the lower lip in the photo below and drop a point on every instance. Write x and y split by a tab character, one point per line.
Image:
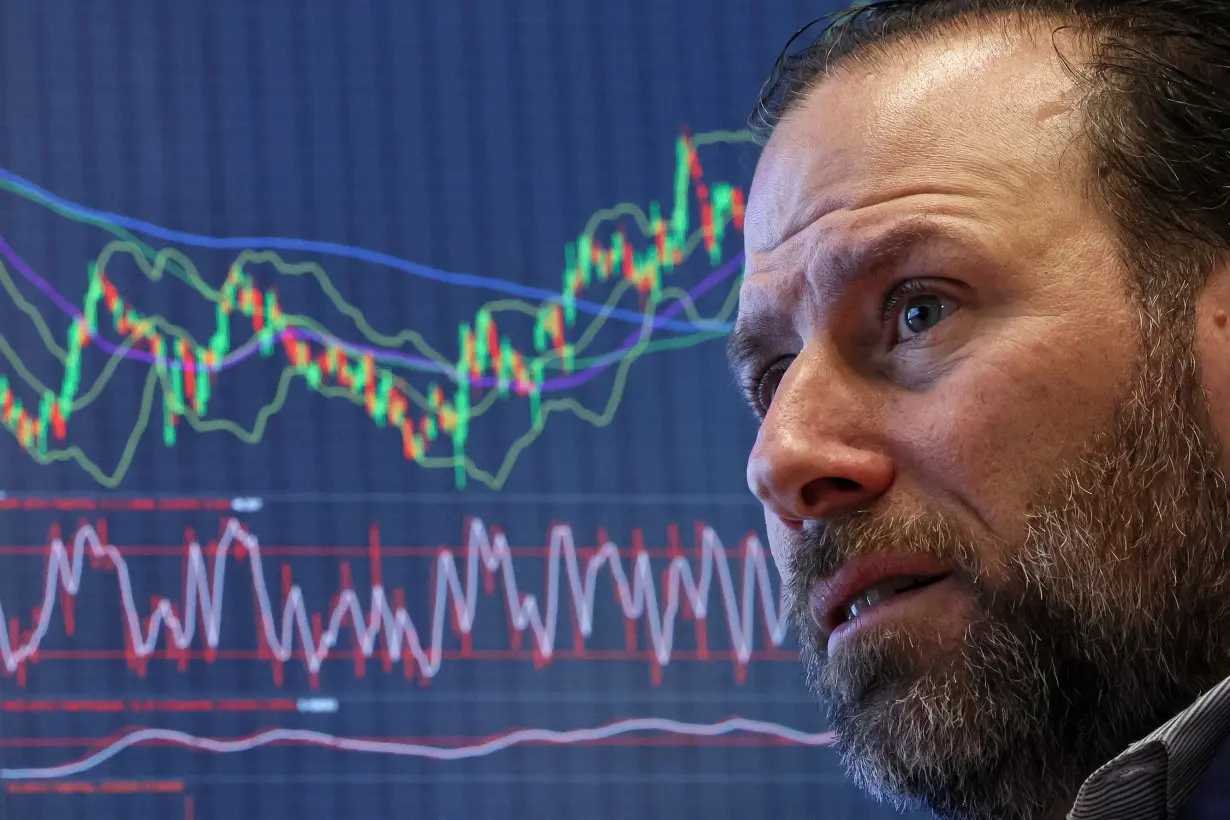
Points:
897	606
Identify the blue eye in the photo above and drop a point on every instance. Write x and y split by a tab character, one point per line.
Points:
922	313
916	309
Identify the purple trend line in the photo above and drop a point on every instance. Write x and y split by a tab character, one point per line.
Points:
249	349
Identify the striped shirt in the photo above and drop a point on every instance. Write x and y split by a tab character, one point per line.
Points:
1154	777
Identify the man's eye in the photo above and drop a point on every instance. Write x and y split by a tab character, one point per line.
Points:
916	309
765	387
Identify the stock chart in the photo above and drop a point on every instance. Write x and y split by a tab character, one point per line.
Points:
368	445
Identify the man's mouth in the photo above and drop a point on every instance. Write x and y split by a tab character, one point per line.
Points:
871	581
881	591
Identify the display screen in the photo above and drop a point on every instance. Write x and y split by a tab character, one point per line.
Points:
369	447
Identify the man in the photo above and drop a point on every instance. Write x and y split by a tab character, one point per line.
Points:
984	328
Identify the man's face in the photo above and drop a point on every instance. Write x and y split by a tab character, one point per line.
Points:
981	399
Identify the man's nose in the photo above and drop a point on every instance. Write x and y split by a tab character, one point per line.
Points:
811	460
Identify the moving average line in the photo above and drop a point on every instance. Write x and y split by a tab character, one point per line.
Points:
490	364
772	732
251	348
104	219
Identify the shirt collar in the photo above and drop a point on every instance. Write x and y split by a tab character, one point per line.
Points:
1160	771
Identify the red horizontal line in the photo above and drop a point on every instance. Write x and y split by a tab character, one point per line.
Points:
166	705
115	504
364	551
103	787
442	741
348	655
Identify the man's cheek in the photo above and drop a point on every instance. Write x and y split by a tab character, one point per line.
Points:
979	446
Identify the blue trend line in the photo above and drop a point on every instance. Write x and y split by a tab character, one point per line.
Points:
250	348
350	252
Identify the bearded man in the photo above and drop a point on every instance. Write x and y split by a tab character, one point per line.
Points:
984	328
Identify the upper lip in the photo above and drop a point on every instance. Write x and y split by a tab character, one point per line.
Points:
830	595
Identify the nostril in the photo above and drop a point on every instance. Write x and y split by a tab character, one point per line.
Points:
815	492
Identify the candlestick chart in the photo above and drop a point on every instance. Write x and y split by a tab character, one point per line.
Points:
369	447
728	597
488	367
184	374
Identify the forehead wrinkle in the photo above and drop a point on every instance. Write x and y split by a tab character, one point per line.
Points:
813	210
835	261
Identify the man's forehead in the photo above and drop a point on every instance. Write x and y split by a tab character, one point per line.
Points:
938	113
797	181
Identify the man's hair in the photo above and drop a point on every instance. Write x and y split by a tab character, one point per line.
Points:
1155	106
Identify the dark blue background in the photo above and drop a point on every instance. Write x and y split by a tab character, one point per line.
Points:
469	136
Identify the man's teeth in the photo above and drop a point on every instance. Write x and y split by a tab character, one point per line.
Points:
880	590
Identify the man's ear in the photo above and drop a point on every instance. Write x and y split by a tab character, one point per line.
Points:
1212	349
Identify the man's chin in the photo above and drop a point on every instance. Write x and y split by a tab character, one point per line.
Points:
892	720
881	664
921	717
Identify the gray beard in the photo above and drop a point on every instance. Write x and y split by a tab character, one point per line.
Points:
1112	620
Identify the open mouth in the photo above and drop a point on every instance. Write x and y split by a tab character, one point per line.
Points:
882	591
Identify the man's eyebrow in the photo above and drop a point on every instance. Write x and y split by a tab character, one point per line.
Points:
848	264
747	341
841	266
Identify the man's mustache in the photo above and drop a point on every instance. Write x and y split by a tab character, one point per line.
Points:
815	552
820	549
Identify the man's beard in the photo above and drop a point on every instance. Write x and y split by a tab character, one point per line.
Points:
1106	620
